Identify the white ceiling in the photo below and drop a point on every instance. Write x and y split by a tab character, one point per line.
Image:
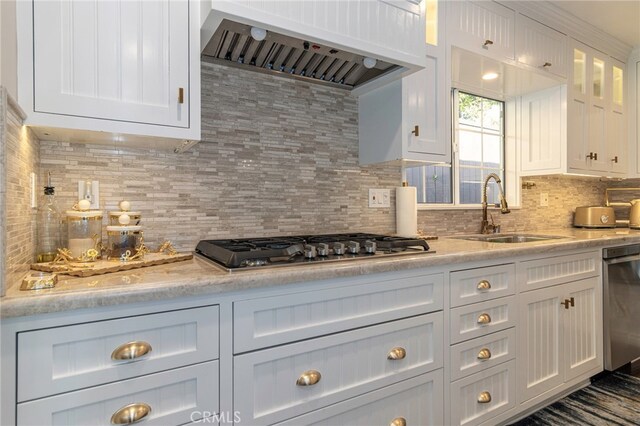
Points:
620	18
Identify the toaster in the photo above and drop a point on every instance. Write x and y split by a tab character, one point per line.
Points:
594	217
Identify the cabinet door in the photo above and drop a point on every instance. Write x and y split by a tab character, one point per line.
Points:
598	112
577	109
485	27
424	101
543	136
583	327
540	337
540	46
115	60
617	125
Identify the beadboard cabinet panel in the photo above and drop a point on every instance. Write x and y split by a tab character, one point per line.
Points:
61	359
115	60
418	401
540	46
175	397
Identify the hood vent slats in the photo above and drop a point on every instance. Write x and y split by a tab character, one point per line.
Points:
233	45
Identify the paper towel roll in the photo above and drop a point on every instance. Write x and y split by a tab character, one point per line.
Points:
406	211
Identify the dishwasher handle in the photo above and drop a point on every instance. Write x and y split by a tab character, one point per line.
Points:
623	259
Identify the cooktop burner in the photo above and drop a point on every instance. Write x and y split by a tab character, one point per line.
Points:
235	254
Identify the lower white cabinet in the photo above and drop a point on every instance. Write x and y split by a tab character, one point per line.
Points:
276	384
416	401
560	335
170	398
483	395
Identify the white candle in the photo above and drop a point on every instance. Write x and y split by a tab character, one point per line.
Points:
77	246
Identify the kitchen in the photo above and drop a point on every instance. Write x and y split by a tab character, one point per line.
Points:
282	156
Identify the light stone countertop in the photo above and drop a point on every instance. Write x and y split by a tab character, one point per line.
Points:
199	277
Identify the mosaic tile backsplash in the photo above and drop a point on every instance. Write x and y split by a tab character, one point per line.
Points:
278	157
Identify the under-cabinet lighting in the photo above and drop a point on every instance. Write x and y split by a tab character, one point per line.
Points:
490	76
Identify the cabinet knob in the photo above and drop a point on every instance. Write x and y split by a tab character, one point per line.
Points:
180	95
416	130
484	353
484	397
398	421
615	159
546	65
484	319
131	350
592	156
309	378
572	301
397	353
566	303
487	43
131	413
483	285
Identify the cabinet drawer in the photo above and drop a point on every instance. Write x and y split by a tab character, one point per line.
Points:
550	271
484	352
419	401
175	397
350	364
480	284
483	318
497	382
270	321
61	359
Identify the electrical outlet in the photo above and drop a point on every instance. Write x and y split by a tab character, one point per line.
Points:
379	198
89	190
544	199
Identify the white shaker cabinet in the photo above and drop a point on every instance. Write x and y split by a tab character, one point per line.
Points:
484	27
560	335
120	66
540	47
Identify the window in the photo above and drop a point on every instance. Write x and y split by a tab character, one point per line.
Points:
478	150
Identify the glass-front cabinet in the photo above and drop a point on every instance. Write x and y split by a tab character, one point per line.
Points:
596	133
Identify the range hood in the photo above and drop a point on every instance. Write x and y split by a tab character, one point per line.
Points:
232	44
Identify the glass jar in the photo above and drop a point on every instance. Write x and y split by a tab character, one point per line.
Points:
85	233
124	243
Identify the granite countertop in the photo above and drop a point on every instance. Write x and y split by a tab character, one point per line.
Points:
197	276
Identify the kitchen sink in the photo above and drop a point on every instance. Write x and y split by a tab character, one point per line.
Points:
510	238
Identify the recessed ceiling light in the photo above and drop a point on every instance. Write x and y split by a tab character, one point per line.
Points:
490	76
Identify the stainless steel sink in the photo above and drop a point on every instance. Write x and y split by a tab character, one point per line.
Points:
510	238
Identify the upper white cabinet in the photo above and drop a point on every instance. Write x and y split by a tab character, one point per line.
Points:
596	127
113	66
409	119
484	27
540	46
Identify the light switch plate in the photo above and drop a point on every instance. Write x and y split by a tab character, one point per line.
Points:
544	199
379	198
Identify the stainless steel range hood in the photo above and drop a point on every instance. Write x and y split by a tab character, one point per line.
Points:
232	44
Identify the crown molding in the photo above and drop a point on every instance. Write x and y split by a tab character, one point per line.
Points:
559	19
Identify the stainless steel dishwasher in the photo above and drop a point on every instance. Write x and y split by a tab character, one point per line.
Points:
621	305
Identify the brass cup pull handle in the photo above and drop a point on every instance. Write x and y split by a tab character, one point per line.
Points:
484	354
484	319
131	350
398	421
484	285
546	65
309	378
487	43
484	397
416	131
397	353
130	414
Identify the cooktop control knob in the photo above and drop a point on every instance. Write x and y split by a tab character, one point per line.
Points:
323	249
310	251
370	247
353	247
338	249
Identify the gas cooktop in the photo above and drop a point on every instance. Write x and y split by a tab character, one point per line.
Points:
247	253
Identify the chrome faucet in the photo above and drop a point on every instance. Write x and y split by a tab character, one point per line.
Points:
492	228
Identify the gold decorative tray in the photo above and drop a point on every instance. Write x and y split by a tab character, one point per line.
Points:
99	267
